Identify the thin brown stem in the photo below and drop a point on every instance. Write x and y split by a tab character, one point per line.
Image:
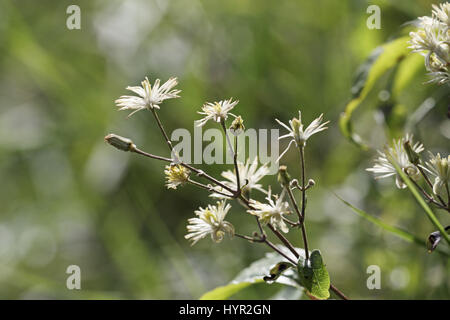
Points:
338	292
430	184
303	190
251	239
284	240
294	203
270	244
199	172
166	137
206	187
427	196
236	167
234	154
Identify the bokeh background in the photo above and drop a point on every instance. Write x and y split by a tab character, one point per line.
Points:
68	198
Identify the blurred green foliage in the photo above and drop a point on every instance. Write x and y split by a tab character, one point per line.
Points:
68	198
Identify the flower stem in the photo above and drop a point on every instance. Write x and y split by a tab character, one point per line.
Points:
199	172
338	292
234	154
166	137
430	184
284	240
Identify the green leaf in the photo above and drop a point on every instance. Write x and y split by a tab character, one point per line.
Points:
314	276
419	198
256	273
380	61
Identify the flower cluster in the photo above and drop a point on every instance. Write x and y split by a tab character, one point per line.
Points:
432	40
397	152
406	154
238	183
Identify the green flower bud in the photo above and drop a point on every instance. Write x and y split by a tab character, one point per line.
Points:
283	176
413	156
119	142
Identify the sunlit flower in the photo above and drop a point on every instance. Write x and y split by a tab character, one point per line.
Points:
148	97
431	37
384	168
216	111
439	167
271	212
210	221
299	135
249	176
176	175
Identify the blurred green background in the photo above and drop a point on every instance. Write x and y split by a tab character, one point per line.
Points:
68	198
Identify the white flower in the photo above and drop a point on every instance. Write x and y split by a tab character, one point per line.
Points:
210	221
148	97
440	169
249	176
216	111
176	175
385	168
296	132
432	40
271	212
442	12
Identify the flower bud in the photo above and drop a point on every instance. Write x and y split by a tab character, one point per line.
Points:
283	176
119	142
311	183
237	126
413	156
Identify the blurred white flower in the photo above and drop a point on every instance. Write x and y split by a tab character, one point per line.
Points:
296	132
249	176
384	168
210	221
176	175
216	111
272	212
442	12
148	97
439	167
432	40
